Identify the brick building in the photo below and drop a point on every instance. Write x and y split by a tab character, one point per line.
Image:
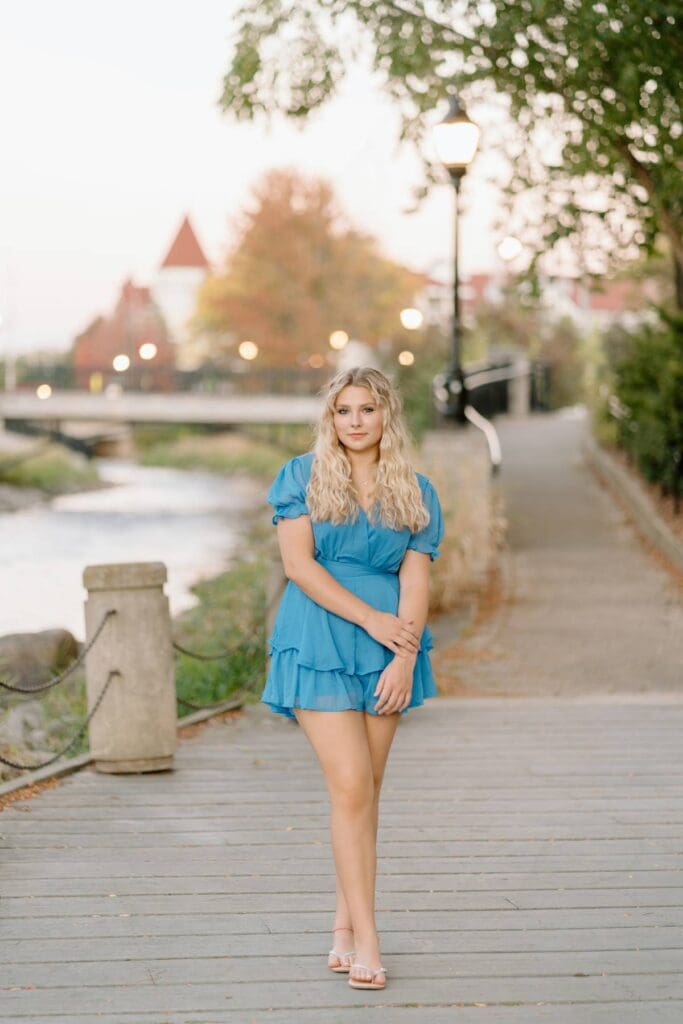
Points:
135	329
140	344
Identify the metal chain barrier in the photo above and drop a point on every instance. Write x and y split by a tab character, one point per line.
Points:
209	657
203	707
67	671
246	644
114	672
236	695
222	654
216	657
51	760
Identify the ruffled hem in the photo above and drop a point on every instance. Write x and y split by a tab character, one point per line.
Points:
330	643
290	684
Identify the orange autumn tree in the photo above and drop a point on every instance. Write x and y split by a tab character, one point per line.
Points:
299	271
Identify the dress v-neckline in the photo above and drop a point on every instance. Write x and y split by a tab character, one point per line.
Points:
365	513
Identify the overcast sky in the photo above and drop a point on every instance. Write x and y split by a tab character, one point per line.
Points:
110	132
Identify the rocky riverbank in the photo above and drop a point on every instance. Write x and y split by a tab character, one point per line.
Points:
34	470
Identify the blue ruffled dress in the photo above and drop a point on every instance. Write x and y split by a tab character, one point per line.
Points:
317	658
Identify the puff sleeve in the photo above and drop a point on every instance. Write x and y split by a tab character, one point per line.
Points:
287	493
429	537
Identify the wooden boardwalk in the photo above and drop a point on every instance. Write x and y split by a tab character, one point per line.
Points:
531	855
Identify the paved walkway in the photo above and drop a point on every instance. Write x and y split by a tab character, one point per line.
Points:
587	608
531	850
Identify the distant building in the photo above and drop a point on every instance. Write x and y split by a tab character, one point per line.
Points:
597	305
135	331
435	299
148	326
588	305
181	274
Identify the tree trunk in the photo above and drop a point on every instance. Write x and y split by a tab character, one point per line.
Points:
678	282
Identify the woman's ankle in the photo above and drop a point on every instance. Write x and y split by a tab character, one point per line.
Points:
367	945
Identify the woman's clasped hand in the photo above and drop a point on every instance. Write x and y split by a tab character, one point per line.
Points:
395	686
392	631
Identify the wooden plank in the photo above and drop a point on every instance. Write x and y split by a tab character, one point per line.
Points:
288	967
149	864
405	885
279	902
537	812
651	1011
316	943
329	993
301	843
126	923
117	832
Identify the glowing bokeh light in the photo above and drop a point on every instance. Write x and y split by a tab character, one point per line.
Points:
148	350
248	350
411	318
338	339
509	248
120	363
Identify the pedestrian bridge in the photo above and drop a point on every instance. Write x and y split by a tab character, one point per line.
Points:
181	407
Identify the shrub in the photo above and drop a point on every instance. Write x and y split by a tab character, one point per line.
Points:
649	383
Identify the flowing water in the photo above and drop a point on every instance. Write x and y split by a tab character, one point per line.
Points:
188	519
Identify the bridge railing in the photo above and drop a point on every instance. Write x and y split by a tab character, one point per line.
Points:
508	384
168	379
489	392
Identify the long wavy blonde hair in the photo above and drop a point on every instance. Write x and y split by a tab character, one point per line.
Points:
331	494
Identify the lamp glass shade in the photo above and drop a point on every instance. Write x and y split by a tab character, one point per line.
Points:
456	141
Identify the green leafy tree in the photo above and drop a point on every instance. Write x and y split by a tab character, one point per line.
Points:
592	89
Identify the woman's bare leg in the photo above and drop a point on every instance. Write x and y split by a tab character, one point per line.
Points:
352	749
381	730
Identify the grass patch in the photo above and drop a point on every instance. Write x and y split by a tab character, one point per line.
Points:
57	715
604	426
54	470
230	616
226	451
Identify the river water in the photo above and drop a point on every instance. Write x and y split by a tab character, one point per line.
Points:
188	519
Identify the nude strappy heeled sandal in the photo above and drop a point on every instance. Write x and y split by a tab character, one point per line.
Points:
344	965
358	983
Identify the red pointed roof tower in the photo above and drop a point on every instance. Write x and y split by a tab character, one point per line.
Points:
185	250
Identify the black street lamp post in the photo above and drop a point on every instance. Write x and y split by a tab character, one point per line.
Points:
456	139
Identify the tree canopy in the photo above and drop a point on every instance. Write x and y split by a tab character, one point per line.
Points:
592	89
297	272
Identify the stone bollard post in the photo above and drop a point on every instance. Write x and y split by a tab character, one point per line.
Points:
519	393
134	728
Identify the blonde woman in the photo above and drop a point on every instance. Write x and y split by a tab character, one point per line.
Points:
357	528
